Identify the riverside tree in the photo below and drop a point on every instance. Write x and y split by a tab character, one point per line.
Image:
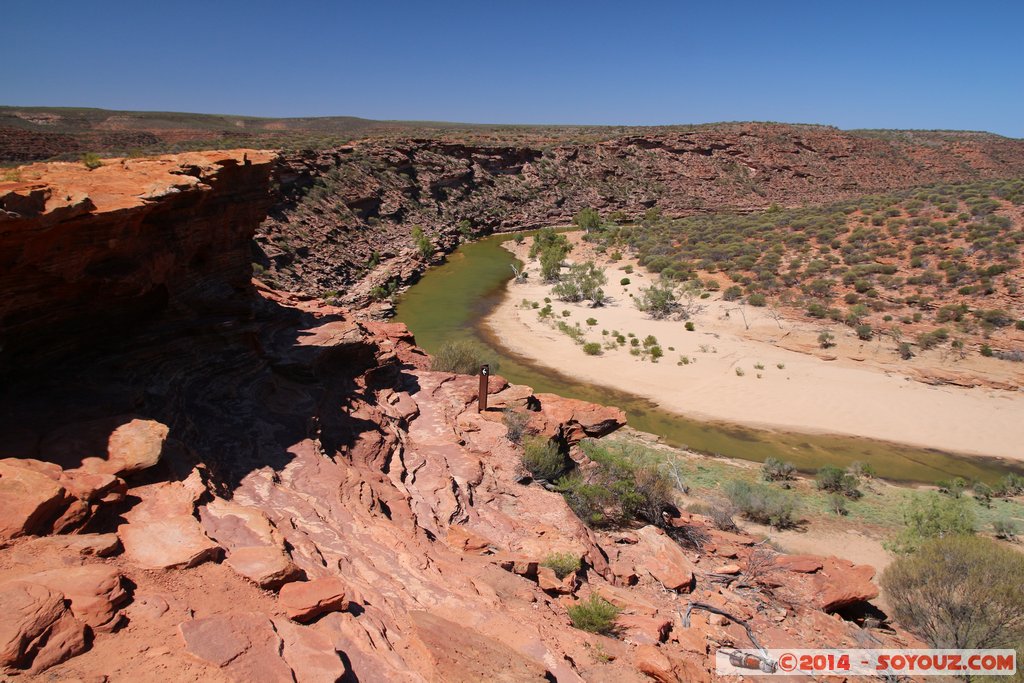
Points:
550	248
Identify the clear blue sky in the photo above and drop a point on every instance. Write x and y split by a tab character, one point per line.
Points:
893	64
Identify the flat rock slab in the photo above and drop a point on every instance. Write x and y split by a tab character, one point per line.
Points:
665	560
244	645
172	543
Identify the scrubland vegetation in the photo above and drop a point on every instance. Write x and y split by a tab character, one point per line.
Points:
938	267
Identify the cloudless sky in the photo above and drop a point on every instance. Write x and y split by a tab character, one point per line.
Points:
853	64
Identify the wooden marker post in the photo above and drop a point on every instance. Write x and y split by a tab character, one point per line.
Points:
481	400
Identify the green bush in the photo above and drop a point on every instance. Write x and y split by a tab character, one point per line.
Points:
624	281
463	357
591	321
757	300
562	564
1005	529
774	469
959	592
623	485
834	480
762	503
423	244
933	516
542	458
595	615
515	422
826	340
864	332
689	326
659	300
91	160
732	293
592	348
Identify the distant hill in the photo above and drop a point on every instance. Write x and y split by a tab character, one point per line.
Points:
65	133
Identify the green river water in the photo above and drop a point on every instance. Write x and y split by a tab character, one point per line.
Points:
451	300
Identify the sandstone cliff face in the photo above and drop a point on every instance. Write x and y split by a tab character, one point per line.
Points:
267	488
85	253
343	209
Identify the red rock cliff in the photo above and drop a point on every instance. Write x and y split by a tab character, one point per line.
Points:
85	253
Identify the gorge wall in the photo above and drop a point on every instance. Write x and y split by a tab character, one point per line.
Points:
210	480
341	212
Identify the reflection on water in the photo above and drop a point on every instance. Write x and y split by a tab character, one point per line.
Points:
451	301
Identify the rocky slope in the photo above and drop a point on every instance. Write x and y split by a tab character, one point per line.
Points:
344	210
262	487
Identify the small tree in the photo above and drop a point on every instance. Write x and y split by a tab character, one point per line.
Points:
423	244
959	592
587	219
584	281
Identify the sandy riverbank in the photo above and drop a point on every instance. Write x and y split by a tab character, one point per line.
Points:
856	388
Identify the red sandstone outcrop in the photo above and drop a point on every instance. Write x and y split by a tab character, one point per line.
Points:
321	460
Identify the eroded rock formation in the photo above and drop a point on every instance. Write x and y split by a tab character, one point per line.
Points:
271	489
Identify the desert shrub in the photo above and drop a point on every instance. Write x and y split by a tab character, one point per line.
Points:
423	244
757	300
1005	529
584	281
515	422
624	281
905	351
986	351
656	353
1010	485
562	564
732	293
592	348
659	300
689	326
622	486
592	321
983	493
774	469
864	332
740	372
837	504
91	160
953	487
933	516
595	615
542	458
834	480
959	592
761	503
463	357
826	340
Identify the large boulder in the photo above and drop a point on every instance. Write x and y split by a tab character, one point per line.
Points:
37	629
30	498
304	601
95	592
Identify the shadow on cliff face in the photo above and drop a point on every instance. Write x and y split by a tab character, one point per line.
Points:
235	392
